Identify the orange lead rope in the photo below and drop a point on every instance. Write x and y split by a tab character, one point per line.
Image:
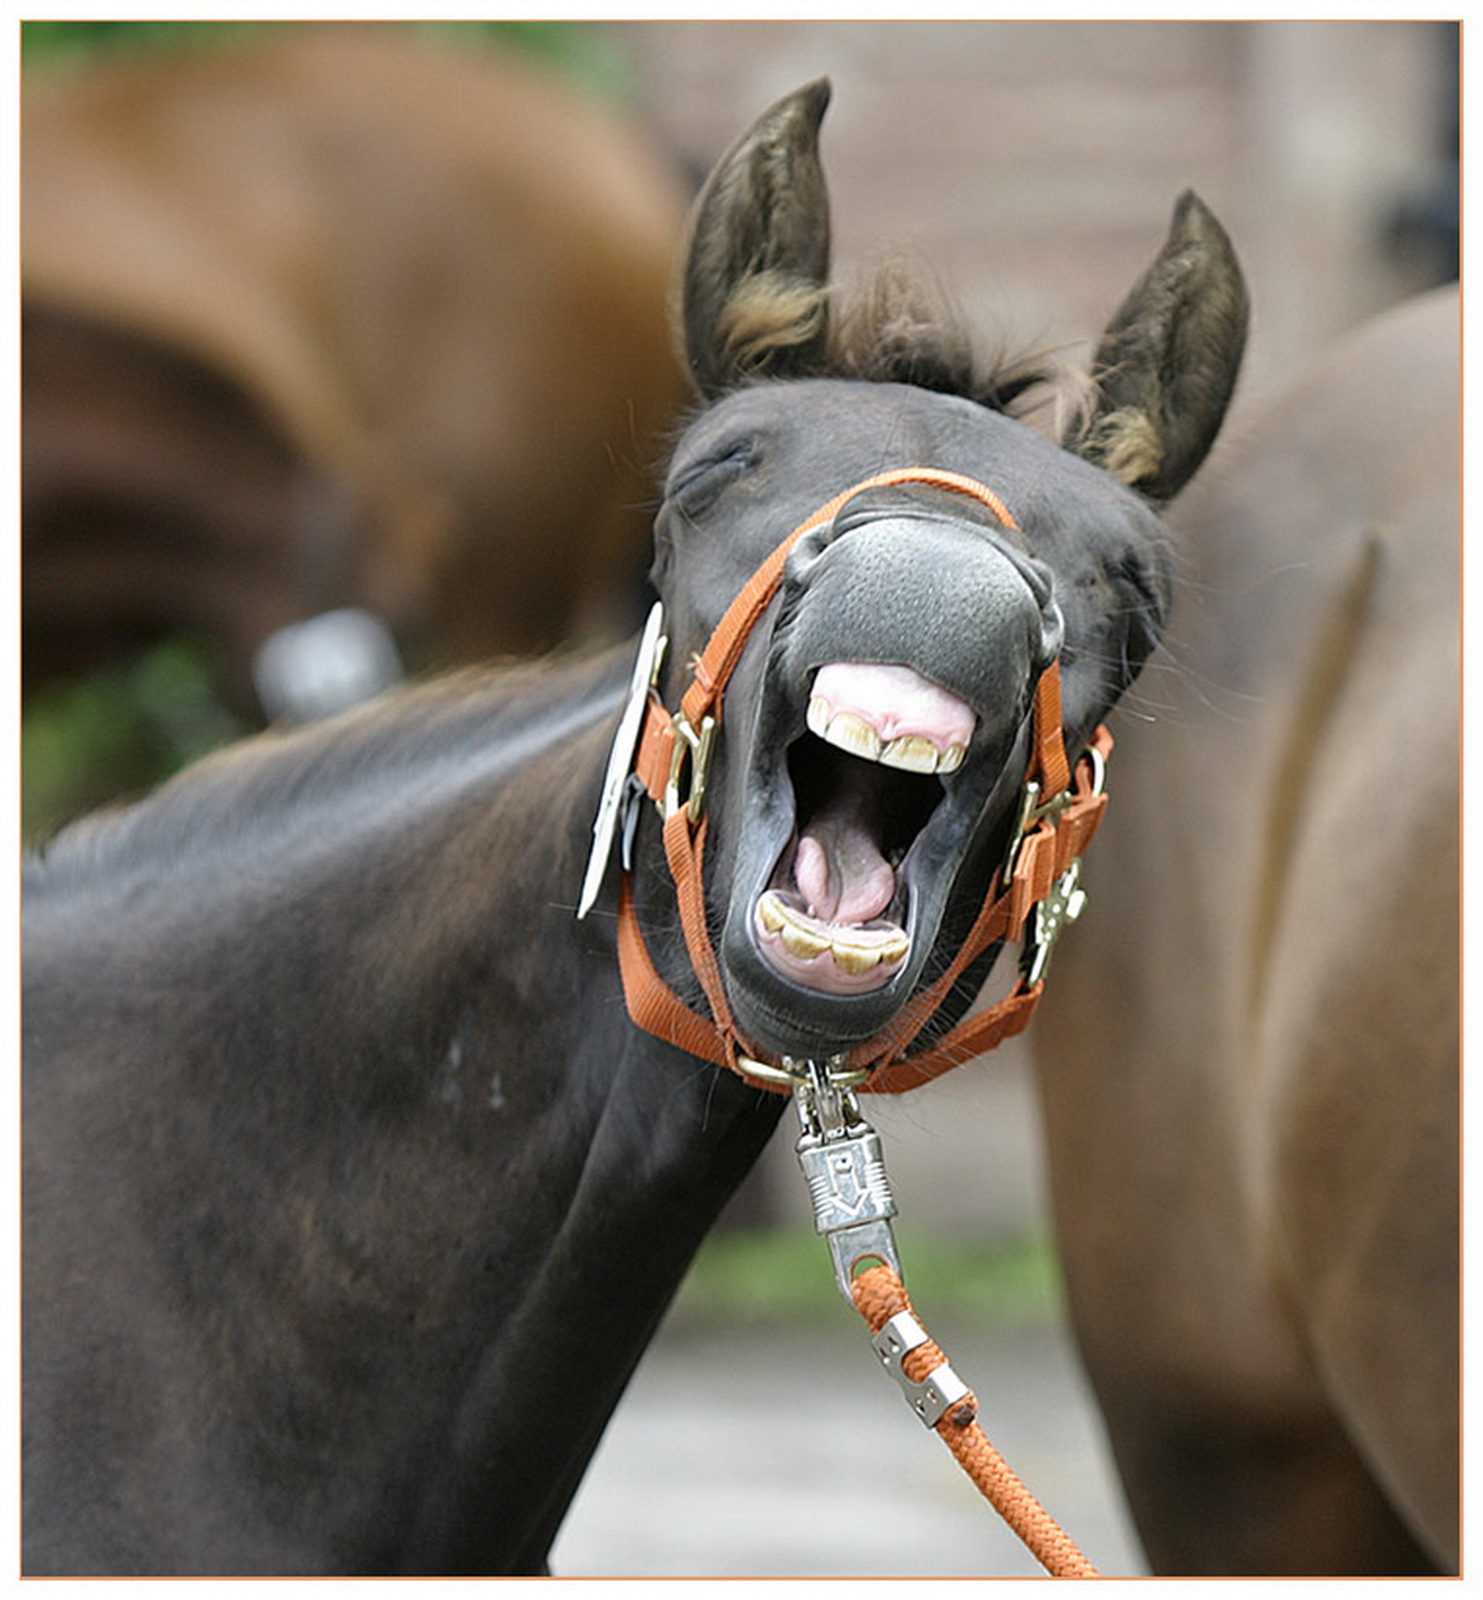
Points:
840	1154
881	1299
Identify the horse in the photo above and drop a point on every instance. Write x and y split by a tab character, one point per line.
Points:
1249	1067
354	1184
336	318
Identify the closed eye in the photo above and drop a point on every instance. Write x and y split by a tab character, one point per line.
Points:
697	484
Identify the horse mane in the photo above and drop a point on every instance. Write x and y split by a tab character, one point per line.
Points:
458	727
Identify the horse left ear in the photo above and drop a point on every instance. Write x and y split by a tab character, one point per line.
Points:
754	295
1167	364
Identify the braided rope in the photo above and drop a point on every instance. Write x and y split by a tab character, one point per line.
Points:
879	1295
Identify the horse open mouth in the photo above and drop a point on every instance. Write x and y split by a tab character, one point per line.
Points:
867	778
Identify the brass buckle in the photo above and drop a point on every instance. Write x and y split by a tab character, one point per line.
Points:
1032	813
696	747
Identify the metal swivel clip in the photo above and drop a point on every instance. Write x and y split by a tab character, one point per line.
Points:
840	1154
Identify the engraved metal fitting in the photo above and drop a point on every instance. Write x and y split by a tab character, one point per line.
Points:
939	1391
842	1162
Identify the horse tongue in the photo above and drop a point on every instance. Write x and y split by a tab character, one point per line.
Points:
840	873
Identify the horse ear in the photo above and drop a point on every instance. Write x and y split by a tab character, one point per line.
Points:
754	291
1167	364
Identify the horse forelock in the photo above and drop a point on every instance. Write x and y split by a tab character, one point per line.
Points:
896	323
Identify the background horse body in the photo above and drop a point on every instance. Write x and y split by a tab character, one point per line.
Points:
337	317
1250	1060
352	1193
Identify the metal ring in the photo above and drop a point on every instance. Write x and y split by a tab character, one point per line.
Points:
1099	768
786	1078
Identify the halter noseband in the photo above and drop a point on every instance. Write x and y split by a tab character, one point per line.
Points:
1034	891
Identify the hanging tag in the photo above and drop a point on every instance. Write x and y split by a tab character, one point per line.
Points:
620	760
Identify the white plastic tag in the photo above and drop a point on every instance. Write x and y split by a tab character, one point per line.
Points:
615	784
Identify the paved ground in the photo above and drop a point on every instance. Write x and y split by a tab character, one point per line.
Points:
791	1455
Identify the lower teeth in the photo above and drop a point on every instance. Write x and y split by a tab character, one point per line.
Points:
853	955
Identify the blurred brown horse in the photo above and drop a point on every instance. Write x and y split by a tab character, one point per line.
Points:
337	317
1250	1057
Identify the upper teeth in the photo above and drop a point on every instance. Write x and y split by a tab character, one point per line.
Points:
913	752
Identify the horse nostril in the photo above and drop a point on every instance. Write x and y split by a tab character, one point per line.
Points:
805	555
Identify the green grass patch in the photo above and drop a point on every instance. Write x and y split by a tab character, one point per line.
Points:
119	732
788	1276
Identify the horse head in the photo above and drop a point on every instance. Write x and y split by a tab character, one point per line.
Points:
868	761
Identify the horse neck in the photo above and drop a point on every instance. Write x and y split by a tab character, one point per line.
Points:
599	1156
431	1151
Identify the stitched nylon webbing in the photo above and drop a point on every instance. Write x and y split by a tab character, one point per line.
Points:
1044	855
714	669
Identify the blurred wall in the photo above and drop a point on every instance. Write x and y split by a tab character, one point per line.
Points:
1035	163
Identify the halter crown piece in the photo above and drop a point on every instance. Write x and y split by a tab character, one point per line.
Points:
666	756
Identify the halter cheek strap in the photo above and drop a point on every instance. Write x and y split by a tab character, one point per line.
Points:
1034	893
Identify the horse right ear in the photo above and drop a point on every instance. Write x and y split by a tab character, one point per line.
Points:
1167	364
754	297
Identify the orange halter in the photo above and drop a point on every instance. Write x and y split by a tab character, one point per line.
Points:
1039	875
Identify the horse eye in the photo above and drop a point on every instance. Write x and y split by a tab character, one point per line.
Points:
697	485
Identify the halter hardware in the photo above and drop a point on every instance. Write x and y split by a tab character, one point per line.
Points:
1031	814
845	1169
696	745
1065	900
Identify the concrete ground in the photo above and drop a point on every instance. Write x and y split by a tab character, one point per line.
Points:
791	1454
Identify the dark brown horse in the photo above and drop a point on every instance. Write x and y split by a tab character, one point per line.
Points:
1250	1060
352	1193
337	317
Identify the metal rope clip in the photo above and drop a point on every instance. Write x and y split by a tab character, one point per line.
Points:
840	1154
939	1391
1050	919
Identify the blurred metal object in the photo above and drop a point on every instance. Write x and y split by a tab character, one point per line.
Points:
325	665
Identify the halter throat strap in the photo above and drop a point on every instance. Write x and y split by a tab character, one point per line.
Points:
1060	812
